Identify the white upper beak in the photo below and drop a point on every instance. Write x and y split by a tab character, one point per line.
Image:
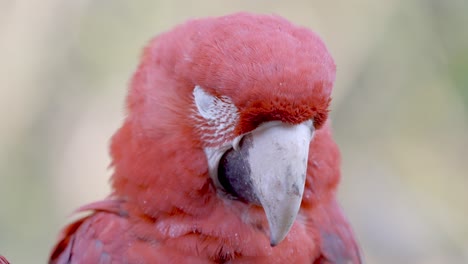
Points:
278	162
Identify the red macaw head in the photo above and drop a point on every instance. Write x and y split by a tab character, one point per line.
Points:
223	111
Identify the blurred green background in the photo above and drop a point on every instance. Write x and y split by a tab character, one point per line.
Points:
400	113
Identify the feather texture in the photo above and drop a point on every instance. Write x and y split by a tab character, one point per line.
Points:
164	207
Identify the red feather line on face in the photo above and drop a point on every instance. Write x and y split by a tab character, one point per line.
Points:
263	111
164	207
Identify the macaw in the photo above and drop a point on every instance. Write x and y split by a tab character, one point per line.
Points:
225	155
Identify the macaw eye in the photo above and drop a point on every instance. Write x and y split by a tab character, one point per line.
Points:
213	108
219	116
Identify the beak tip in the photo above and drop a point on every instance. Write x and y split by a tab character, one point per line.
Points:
277	238
273	243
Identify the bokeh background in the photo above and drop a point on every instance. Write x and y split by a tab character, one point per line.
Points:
400	113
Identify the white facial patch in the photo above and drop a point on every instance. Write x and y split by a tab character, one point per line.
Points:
219	116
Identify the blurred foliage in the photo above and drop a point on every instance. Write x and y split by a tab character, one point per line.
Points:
399	113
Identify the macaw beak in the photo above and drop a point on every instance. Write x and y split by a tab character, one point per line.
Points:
268	167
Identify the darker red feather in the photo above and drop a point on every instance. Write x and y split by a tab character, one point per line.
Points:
3	260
